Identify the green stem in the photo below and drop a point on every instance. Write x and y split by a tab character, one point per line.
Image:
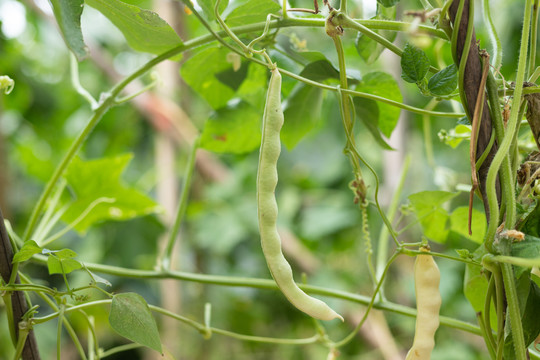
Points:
485	334
493	36
534	34
513	311
353	333
23	334
382	245
75	146
59	332
509	137
182	206
262	284
346	22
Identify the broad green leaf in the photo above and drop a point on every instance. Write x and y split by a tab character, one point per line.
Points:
475	286
320	70
62	262
143	29
388	3
432	216
369	49
68	16
130	317
383	85
29	248
528	248
368	112
444	82
209	5
460	223
252	12
233	129
200	72
100	194
254	86
302	112
414	64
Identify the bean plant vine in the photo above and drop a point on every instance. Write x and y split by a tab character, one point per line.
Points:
492	112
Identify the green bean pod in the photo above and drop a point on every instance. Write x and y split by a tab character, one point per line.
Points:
267	178
428	303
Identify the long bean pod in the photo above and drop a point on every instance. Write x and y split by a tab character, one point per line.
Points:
267	178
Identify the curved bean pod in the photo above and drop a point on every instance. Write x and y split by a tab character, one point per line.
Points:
428	303
267	178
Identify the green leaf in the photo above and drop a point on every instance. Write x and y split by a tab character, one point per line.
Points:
388	3
143	29
61	261
253	88
432	216
530	225
200	72
251	12
368	112
97	278
100	194
414	64
320	70
302	112
368	49
130	317
68	16
233	129
444	82
209	5
460	223
528	248
29	248
383	85
475	286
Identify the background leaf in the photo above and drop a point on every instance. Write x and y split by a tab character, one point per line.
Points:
369	49
302	112
68	16
143	29
432	216
101	179
234	129
460	223
251	12
130	317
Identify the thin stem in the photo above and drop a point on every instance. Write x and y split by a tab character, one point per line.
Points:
351	336
23	334
75	146
382	245
485	333
513	312
262	284
534	34
74	72
59	332
426	125
493	36
182	206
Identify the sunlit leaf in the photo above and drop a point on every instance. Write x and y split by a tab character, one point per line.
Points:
251	12
29	248
143	29
98	179
432	216
233	129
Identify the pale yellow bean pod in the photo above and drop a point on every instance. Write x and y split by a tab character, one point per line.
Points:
267	178
428	303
